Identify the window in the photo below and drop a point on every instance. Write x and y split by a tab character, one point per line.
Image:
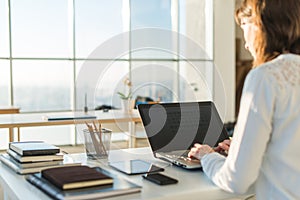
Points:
39	33
54	52
4	82
42	85
49	51
4	27
96	21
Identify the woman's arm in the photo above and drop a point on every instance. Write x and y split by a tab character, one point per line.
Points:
239	170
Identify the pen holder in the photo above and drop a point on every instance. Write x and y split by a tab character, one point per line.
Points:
97	143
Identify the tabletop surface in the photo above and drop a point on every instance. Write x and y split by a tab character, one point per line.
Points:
40	119
192	184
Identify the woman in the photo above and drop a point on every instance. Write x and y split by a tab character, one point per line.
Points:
265	147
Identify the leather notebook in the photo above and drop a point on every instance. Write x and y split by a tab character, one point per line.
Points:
75	177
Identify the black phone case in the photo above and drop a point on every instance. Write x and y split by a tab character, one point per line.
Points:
160	179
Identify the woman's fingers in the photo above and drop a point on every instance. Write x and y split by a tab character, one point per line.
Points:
225	145
198	151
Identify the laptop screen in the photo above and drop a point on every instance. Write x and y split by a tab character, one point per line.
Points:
177	126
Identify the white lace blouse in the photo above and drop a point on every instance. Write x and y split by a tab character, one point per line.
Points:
265	148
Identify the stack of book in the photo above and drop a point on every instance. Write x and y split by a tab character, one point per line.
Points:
81	182
32	157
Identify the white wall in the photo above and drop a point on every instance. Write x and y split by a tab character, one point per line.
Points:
224	54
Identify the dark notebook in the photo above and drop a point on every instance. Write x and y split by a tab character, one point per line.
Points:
75	177
119	187
33	148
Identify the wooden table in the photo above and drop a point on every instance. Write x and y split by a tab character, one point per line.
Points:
9	110
21	120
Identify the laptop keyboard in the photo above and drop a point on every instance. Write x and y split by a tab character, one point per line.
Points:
182	161
176	156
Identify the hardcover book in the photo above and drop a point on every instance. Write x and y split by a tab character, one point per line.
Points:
119	187
40	158
33	148
19	170
76	177
29	164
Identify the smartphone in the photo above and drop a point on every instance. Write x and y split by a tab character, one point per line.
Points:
160	179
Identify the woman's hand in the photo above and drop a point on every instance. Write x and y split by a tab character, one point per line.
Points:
223	147
198	151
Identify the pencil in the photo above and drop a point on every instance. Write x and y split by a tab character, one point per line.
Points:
94	140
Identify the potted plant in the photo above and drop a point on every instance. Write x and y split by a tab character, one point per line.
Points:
126	96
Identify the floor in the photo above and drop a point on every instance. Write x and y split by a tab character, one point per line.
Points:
115	145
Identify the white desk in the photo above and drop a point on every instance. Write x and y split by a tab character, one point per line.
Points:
191	185
18	121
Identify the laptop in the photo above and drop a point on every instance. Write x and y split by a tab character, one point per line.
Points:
173	128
